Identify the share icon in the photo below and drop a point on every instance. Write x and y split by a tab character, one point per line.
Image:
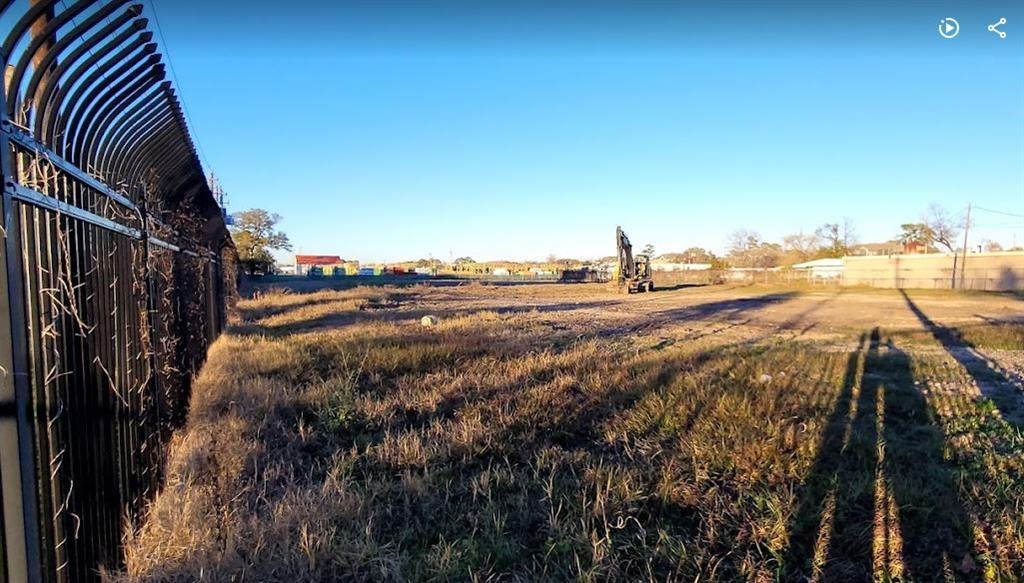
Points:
995	28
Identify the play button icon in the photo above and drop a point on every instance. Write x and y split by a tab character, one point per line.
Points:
949	27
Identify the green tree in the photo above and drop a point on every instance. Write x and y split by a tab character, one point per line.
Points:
916	234
648	250
255	236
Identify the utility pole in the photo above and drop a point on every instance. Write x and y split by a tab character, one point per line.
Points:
952	284
963	262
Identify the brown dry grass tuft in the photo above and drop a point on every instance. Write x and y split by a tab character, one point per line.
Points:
333	438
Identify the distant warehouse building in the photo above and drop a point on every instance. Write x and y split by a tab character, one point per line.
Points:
818	269
327	263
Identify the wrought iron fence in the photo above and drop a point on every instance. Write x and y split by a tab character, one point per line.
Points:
115	270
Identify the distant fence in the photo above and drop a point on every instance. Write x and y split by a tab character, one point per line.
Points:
979	271
666	279
114	272
663	279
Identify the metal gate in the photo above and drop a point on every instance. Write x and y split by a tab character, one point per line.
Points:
114	272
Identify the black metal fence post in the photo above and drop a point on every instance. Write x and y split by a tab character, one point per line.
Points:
17	455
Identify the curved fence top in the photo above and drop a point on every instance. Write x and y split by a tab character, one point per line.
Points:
85	80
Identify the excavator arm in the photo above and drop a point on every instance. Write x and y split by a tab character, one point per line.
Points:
627	267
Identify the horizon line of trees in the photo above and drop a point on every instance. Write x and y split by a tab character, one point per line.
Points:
255	235
936	230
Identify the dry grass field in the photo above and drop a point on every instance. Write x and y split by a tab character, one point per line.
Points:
561	432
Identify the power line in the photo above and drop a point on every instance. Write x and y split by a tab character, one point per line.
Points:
80	41
181	93
1014	226
981	208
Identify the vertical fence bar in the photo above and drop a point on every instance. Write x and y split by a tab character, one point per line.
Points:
17	456
154	387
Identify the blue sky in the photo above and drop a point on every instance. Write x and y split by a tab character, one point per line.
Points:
398	129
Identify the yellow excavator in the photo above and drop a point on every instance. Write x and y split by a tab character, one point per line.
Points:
632	274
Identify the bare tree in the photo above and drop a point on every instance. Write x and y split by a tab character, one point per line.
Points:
849	233
943	227
741	240
991	246
800	244
837	238
766	255
698	255
746	249
831	239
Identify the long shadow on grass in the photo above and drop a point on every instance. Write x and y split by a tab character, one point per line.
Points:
842	528
579	416
566	419
572	419
576	426
545	414
1001	388
721	310
793	326
250	314
387	313
726	308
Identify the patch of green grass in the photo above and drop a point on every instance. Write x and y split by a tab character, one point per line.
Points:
992	336
1003	335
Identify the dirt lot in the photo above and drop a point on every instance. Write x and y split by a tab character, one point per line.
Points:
796	312
551	432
